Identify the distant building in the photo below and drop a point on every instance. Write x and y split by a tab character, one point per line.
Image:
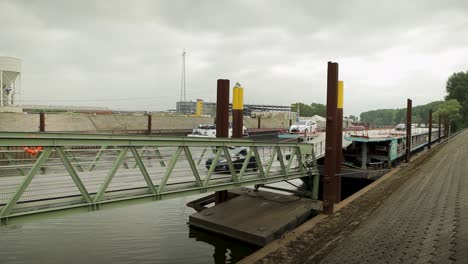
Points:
209	108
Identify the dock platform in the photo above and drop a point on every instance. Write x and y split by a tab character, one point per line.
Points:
256	217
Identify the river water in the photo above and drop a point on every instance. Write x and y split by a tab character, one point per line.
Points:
153	232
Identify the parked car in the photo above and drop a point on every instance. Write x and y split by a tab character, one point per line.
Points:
303	127
238	156
400	127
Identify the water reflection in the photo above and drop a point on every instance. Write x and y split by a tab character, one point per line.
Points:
226	250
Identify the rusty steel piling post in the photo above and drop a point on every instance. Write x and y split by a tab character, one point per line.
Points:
237	111
259	121
429	142
408	129
42	122
445	127
339	141
440	129
222	123
329	189
150	123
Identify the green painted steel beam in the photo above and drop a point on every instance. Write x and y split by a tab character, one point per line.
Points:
74	175
188	154
12	161
245	164
150	197
97	157
110	175
26	181
143	170
169	169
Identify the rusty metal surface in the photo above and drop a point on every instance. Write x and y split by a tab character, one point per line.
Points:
150	123
222	109
42	121
339	153
329	194
237	123
222	123
429	143
408	129
440	127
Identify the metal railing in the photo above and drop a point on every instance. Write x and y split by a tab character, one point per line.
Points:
83	170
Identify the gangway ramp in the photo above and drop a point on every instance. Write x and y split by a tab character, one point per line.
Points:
87	171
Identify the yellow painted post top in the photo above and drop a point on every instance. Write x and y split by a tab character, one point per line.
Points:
238	98
340	94
199	109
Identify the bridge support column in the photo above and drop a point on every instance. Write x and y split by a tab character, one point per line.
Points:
222	123
408	129
329	189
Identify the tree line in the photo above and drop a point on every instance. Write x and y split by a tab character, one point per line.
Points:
455	107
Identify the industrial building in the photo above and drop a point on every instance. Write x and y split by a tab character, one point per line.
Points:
10	81
200	108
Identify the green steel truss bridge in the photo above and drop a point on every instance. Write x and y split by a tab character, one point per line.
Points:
88	171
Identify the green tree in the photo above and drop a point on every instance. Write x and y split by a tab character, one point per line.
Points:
457	88
309	110
451	109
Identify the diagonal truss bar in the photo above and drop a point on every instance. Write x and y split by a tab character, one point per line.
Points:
291	158
157	154
270	162
143	170
201	156
159	157
142	153
73	174
212	167
74	159
27	180
169	170
259	162
232	170
12	161
316	176
193	166
281	160
97	158
118	162
245	164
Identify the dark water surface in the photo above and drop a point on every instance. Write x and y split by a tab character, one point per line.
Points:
153	232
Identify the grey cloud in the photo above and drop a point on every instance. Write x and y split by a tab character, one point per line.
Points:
277	49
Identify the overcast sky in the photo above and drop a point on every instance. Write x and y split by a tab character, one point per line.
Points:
108	51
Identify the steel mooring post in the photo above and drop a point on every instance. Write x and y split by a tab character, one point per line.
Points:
222	123
408	129
150	123
440	129
42	122
329	189
429	142
237	111
339	141
445	127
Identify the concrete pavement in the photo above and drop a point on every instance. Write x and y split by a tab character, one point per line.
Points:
426	221
416	214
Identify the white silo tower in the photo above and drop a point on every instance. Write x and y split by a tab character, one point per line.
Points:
10	80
